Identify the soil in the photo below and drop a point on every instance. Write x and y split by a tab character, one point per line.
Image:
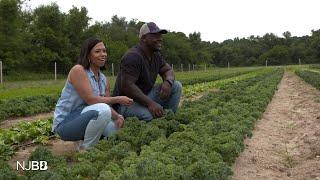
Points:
286	141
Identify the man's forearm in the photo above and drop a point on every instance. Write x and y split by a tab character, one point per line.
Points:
168	75
166	72
136	94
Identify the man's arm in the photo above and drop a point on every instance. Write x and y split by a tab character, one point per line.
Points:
131	90
167	73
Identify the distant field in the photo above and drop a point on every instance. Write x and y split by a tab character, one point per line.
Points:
17	89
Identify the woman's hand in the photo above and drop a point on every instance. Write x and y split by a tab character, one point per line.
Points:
119	121
124	100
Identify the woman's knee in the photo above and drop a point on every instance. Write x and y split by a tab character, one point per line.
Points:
104	109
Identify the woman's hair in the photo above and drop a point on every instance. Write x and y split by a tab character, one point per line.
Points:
87	45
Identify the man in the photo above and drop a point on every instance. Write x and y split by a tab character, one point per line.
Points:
138	73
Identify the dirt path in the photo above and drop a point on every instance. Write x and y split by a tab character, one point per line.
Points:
286	141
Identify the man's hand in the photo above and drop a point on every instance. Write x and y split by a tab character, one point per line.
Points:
165	90
156	110
119	121
124	100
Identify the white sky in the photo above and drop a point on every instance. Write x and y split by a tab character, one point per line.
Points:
216	20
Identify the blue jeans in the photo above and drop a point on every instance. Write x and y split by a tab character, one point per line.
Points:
87	124
142	112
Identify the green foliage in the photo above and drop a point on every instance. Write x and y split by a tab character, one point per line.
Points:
11	39
26	106
278	55
116	51
32	40
177	49
57	165
30	92
37	132
6	172
193	89
315	66
311	77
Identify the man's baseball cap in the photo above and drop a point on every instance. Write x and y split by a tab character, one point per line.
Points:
152	28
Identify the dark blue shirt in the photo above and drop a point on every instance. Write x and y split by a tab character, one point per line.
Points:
135	63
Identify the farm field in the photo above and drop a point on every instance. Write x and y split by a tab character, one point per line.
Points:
235	114
250	95
18	99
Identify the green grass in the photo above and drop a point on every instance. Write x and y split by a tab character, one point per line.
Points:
35	88
30	76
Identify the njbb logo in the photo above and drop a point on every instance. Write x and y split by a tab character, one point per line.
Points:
32	165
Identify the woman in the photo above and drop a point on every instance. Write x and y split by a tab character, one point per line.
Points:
83	111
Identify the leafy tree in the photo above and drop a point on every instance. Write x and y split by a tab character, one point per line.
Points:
49	42
278	55
33	40
177	48
10	37
77	22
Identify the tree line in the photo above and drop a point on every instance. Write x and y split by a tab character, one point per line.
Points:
32	40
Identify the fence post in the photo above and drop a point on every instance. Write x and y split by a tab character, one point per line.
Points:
172	66
55	70
299	62
267	63
205	67
228	65
189	67
181	67
112	69
1	73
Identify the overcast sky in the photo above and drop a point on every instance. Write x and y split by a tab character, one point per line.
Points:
216	20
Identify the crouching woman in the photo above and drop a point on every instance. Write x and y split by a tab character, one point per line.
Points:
83	112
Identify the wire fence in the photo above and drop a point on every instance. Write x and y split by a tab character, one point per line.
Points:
60	71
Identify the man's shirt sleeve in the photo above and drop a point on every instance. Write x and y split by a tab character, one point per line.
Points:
131	65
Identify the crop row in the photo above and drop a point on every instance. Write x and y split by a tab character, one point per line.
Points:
311	77
186	79
27	106
11	139
196	88
201	141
